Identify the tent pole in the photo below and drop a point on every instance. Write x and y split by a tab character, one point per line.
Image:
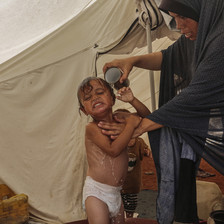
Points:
151	73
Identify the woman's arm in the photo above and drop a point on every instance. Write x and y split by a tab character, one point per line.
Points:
145	126
114	129
150	61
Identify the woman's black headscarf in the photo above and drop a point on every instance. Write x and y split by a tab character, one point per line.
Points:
197	113
187	10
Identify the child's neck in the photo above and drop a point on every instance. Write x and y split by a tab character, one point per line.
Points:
108	117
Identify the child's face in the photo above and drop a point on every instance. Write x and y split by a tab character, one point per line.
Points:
97	100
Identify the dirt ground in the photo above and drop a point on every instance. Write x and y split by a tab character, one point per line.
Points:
149	175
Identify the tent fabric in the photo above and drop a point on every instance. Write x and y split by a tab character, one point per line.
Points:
41	129
57	45
26	19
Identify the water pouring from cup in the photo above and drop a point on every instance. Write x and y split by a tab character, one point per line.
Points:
112	76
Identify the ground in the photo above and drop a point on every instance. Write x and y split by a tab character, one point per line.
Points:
149	175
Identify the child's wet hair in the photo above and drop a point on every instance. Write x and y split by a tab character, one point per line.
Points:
86	87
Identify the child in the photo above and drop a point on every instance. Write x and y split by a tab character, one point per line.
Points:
107	159
137	148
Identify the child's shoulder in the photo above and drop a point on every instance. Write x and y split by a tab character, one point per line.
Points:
91	125
92	128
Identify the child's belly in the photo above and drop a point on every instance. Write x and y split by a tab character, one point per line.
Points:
109	170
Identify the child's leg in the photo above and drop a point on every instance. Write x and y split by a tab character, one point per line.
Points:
97	211
130	203
119	219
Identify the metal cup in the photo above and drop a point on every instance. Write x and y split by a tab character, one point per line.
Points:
112	76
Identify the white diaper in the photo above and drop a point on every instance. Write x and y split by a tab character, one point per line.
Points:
106	193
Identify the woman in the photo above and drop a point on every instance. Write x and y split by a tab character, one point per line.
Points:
191	111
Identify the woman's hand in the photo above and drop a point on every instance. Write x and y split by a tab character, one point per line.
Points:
113	129
125	65
121	119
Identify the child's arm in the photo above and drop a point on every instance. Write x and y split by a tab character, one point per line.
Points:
125	94
113	148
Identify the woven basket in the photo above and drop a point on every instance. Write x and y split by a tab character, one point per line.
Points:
13	208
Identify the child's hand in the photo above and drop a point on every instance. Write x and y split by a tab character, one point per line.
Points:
125	94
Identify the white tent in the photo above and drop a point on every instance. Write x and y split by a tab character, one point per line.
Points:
46	49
